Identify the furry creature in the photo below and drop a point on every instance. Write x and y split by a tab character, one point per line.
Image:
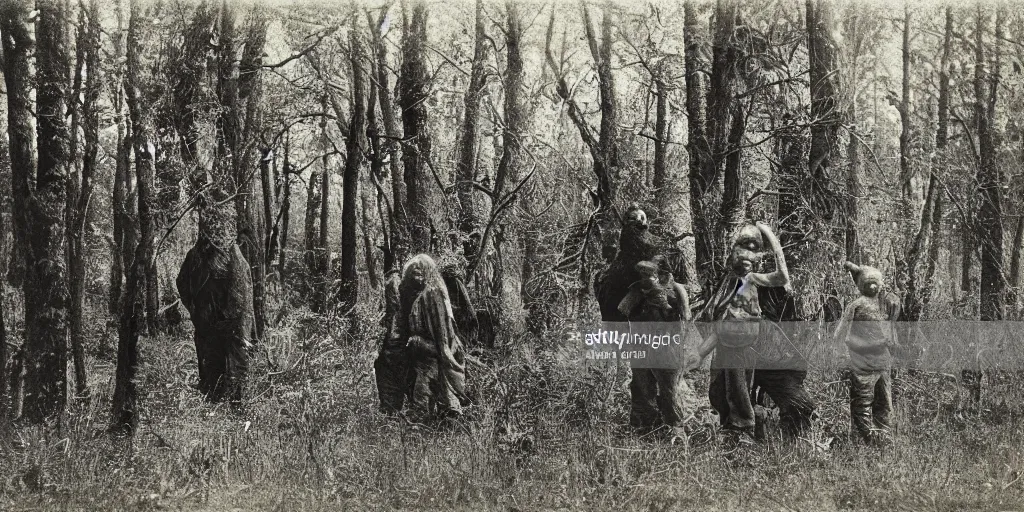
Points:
434	351
635	245
867	329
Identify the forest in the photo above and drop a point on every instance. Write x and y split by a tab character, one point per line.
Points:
182	173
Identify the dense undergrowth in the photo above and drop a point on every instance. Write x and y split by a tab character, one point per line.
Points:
548	432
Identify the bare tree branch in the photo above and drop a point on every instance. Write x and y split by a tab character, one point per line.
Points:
301	53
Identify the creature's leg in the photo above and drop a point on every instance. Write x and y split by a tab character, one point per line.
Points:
881	407
716	395
737	393
203	362
216	366
643	391
447	399
786	389
236	369
391	373
425	377
862	393
675	397
731	366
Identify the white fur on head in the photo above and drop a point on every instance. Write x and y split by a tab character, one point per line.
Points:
432	275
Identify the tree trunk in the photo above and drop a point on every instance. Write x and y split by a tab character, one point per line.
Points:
823	75
46	295
733	204
80	213
606	165
906	172
349	291
856	37
142	144
286	205
990	216
73	245
249	87
715	142
19	76
1015	266
401	242
697	145
267	176
967	249
370	258
377	172
424	198
125	406
119	192
931	215
668	186
323	242
133	308
854	251
509	244
311	235
466	167
4	378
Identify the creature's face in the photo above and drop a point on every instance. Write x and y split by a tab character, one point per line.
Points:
636	219
747	250
418	270
653	279
417	275
870	281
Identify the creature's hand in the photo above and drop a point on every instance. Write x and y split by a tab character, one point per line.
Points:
419	346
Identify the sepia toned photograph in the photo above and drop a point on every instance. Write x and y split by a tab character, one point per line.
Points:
516	255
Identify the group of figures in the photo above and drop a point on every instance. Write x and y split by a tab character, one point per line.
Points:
753	356
421	365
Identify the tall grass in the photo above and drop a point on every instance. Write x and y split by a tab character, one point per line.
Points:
548	432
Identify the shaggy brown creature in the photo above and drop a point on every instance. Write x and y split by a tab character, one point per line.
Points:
660	396
216	288
454	276
635	245
433	349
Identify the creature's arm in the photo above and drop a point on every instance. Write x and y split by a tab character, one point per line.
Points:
632	299
780	277
707	345
843	329
684	302
893	305
437	337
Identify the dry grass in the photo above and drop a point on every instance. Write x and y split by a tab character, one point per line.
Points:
548	435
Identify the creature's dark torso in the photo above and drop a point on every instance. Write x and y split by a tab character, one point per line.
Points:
660	303
612	285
